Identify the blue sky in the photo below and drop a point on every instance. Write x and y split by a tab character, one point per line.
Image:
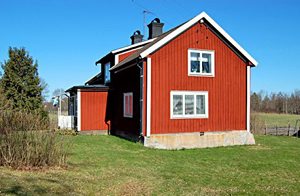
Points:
68	36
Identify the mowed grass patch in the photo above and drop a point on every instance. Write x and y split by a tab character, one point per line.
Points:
280	120
108	165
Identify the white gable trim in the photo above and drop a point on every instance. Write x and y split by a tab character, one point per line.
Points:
117	56
248	96
78	110
116	60
188	25
148	130
132	46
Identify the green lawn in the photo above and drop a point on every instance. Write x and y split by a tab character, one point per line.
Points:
107	165
280	120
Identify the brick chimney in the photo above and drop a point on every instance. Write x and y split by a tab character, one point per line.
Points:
155	28
136	37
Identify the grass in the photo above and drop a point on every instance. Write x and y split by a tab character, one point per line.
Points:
280	120
108	165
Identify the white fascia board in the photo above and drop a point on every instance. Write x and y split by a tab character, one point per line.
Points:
117	57
188	25
116	60
132	46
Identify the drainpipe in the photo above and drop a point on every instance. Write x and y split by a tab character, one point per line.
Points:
140	66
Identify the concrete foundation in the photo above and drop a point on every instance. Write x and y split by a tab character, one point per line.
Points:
94	132
199	140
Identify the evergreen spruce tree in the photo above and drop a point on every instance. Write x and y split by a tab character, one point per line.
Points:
20	81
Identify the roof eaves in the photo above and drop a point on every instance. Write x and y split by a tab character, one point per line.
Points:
99	61
95	76
125	48
88	87
132	46
138	52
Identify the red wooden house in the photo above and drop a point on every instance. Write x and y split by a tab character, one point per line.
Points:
185	88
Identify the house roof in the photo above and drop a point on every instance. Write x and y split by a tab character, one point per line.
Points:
132	46
96	86
138	52
126	48
170	35
95	77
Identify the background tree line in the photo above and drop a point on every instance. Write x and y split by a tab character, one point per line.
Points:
276	102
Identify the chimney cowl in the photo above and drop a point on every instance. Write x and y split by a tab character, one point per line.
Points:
136	37
155	28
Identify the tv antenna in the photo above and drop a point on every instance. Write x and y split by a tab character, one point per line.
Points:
145	12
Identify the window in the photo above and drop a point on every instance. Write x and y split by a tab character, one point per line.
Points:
189	104
107	72
201	63
128	105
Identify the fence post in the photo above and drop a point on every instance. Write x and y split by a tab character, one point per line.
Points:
289	126
265	129
276	130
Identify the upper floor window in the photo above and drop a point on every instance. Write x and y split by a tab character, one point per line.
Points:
201	63
189	104
107	72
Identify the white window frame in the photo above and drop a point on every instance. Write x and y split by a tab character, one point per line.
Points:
105	69
124	105
211	52
187	116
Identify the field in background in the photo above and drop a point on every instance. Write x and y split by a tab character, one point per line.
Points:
280	120
108	165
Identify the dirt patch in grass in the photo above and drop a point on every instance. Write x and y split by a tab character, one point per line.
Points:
133	188
258	147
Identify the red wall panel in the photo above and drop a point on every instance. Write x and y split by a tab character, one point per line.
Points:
93	110
226	90
123	56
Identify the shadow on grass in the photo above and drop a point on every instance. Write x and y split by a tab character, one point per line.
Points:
15	190
33	186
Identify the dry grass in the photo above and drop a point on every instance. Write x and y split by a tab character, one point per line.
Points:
279	120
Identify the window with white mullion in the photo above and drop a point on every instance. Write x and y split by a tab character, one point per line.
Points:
189	104
201	62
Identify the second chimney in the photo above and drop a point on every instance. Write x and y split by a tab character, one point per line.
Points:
136	37
155	28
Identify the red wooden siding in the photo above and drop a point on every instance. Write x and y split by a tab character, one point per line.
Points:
123	56
93	110
226	90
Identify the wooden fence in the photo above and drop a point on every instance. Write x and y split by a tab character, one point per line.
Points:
278	131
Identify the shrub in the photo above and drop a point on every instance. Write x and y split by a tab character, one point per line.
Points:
32	149
11	120
24	146
257	125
